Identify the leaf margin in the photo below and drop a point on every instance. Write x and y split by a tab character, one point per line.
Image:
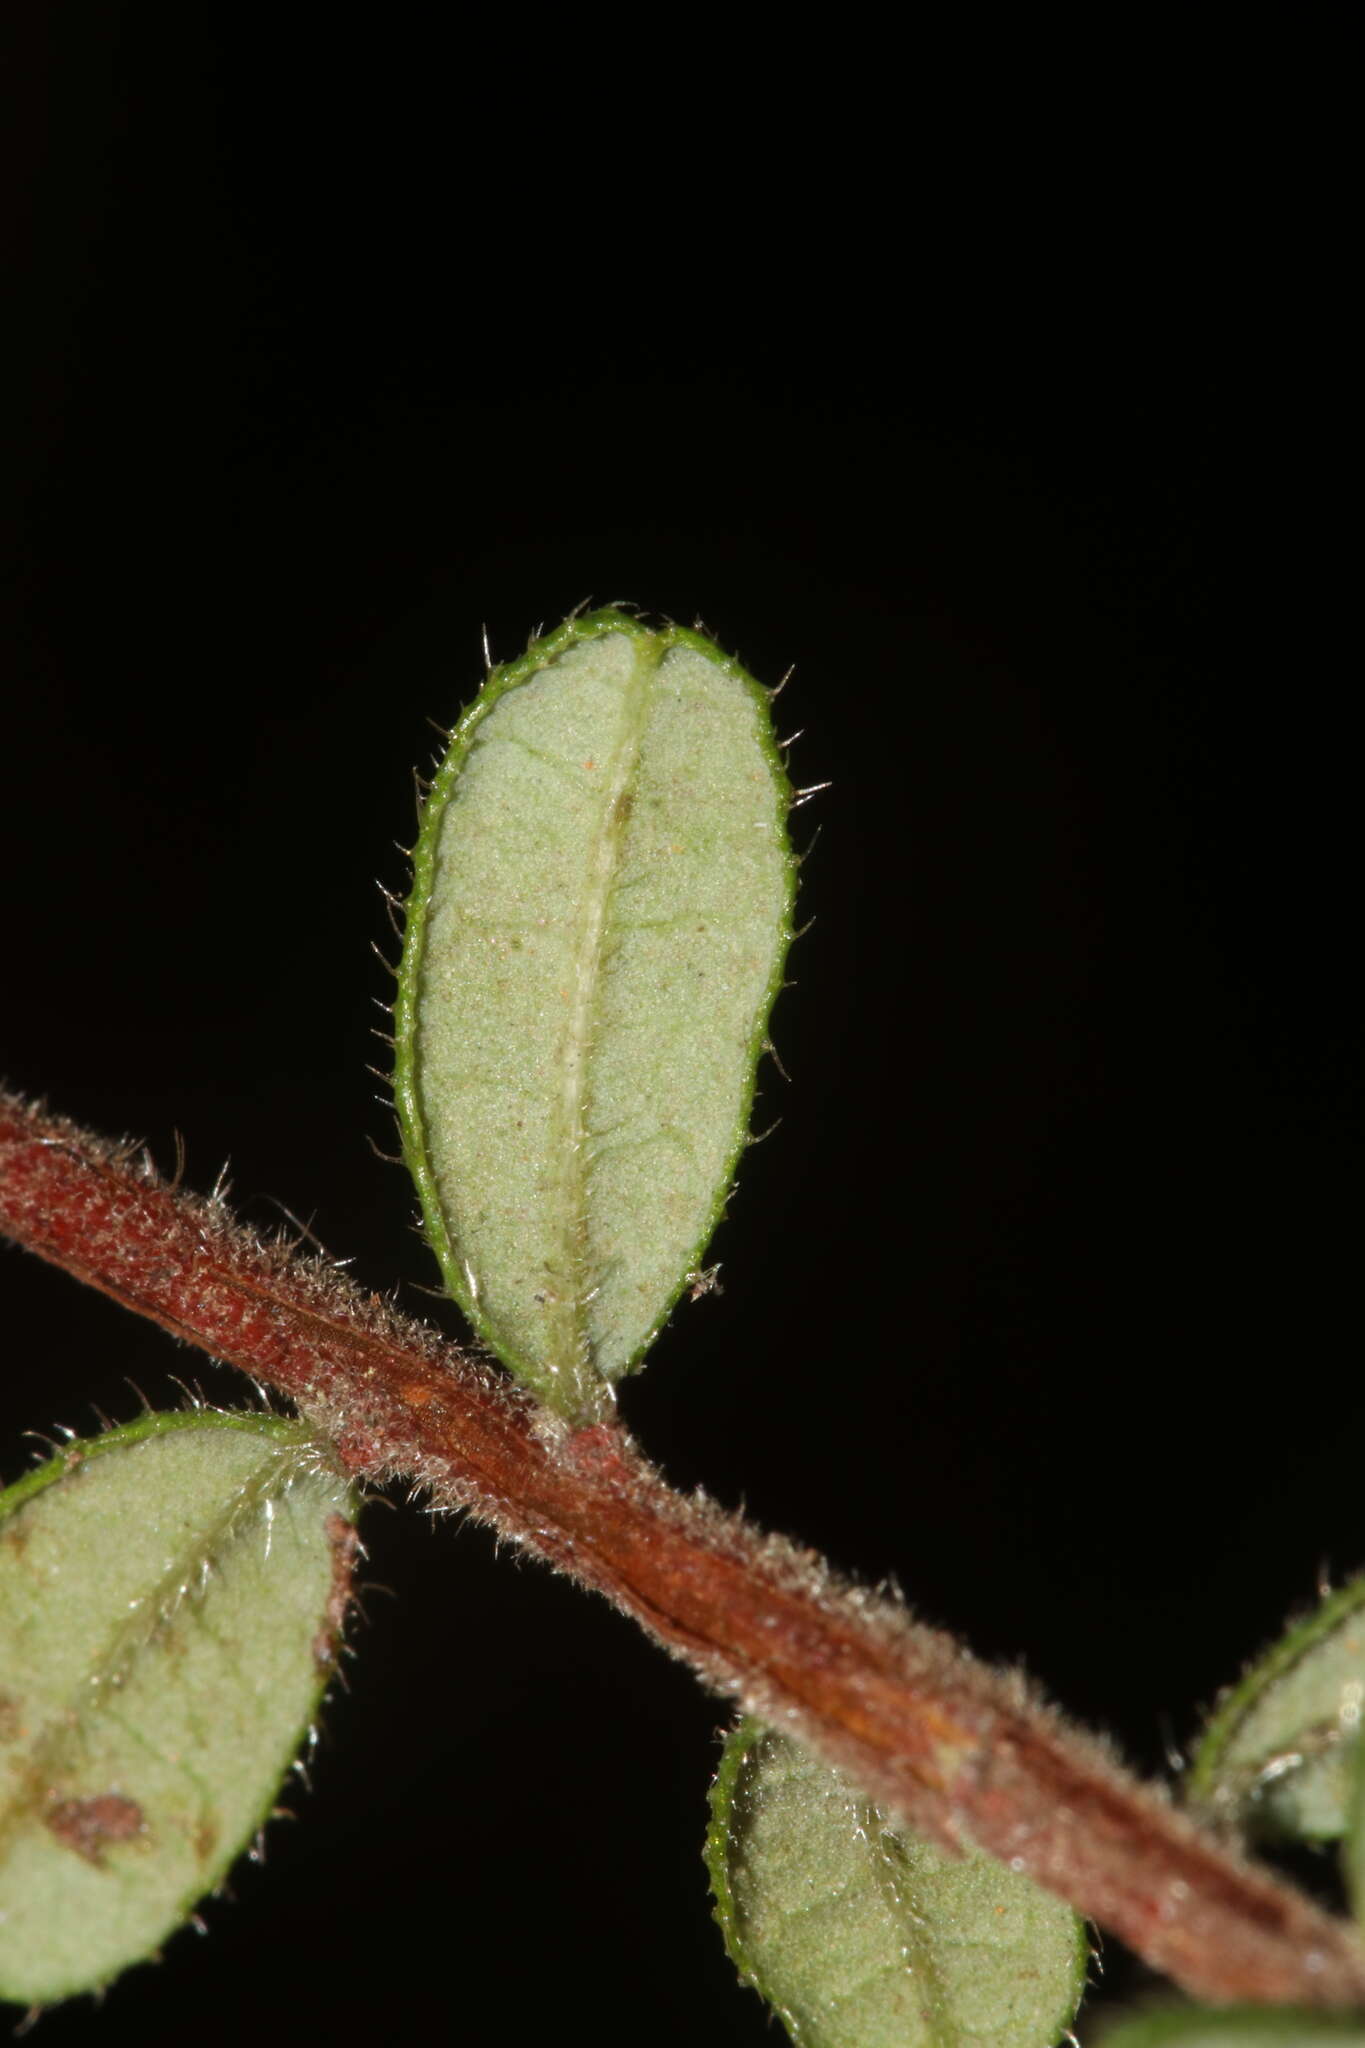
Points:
738	1746
540	654
314	1453
1200	1788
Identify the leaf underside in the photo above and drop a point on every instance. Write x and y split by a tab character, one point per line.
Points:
601	907
1276	1757
171	1596
861	1936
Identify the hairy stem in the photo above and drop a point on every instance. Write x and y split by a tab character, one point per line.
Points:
962	1752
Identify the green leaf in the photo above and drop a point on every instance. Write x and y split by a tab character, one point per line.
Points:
1274	1759
601	907
171	1596
860	1936
1248	2026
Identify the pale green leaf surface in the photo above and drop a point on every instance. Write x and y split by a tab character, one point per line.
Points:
169	1600
600	911
861	1936
1275	1756
1250	2026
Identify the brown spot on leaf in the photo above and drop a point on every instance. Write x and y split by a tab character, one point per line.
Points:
11	1718
205	1838
89	1825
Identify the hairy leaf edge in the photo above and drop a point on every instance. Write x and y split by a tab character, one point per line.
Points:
313	1454
735	1758
541	654
1284	1653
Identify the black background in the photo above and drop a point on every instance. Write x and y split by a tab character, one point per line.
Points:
332	350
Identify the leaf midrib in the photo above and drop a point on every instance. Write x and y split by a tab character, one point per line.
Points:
271	1481
890	1875
574	1362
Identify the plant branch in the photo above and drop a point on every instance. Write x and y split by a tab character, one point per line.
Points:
961	1751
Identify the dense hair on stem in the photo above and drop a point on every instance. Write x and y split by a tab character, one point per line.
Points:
958	1750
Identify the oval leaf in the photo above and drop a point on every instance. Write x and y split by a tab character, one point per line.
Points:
1275	1757
171	1596
601	906
861	1936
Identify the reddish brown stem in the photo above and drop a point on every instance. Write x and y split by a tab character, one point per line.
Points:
960	1750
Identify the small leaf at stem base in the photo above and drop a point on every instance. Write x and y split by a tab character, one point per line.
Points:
1275	1759
859	1935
